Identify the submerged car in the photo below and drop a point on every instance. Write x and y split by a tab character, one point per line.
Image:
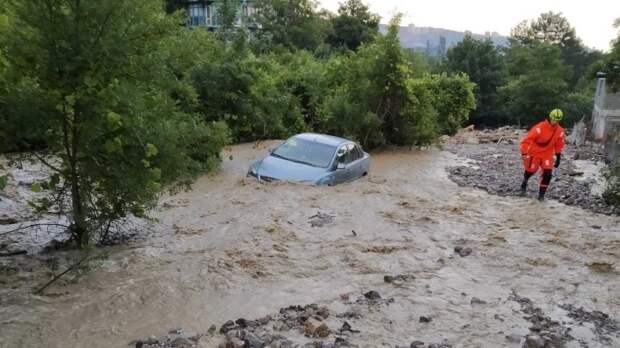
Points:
315	158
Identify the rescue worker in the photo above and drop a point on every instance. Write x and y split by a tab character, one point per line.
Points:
544	141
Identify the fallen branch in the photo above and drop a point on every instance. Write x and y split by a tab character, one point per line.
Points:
60	275
31	226
13	253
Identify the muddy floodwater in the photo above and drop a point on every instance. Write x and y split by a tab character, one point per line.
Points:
464	268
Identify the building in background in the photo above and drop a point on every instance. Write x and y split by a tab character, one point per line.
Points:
203	13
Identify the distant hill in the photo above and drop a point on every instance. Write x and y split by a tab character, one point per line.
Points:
428	39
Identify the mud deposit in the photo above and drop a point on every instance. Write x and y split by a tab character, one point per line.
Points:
403	258
498	169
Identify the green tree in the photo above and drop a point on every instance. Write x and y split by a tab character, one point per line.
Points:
354	25
612	62
290	23
248	92
453	99
484	65
377	101
536	82
554	28
103	81
306	78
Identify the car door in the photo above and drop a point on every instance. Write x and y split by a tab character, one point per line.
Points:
356	164
342	168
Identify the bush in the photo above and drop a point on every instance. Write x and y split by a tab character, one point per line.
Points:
453	99
612	191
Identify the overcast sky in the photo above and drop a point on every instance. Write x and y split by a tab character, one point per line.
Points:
593	19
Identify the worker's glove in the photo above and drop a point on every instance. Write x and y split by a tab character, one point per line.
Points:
558	157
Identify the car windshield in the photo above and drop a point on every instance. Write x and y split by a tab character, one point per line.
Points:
306	152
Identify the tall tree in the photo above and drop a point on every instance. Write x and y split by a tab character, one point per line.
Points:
290	23
376	99
612	66
483	63
536	82
102	81
354	25
554	28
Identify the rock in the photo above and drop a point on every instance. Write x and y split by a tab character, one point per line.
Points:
5	220
242	323
462	251
400	277
346	327
264	320
229	325
514	338
372	295
253	341
475	300
424	319
534	341
323	312
416	344
181	342
314	327
235	343
178	331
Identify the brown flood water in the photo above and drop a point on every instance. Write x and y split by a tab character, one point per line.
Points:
233	248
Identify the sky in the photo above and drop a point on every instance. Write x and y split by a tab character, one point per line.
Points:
593	20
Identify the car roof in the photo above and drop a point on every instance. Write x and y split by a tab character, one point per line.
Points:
323	139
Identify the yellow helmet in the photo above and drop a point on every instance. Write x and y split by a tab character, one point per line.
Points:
556	115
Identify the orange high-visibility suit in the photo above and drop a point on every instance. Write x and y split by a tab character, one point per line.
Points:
542	143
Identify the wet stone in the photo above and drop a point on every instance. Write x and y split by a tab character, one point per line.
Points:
235	343
534	341
314	327
181	342
323	312
253	341
229	325
372	295
463	251
514	338
477	301
178	331
425	319
346	327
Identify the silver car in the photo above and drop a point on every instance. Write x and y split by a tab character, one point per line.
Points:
315	158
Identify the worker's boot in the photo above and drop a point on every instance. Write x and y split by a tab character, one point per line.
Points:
541	193
523	188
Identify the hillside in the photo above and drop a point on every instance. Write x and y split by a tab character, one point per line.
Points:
428	39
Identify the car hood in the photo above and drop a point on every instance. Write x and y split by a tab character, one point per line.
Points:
281	169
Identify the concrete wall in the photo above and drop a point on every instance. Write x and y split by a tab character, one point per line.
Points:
606	119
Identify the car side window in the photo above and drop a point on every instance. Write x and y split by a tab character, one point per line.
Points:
342	154
360	153
351	154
